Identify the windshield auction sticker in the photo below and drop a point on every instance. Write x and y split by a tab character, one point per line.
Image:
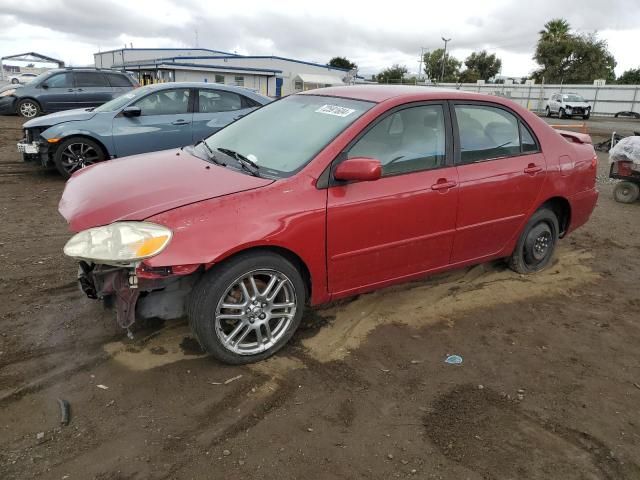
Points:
335	110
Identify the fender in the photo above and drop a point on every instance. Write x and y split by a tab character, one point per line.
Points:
65	130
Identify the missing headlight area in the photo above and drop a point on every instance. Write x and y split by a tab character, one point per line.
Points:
133	297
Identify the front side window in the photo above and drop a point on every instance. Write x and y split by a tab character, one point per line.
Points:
90	79
285	135
218	101
60	80
165	102
486	133
406	141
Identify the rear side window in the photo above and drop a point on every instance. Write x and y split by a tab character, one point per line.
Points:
60	80
118	80
211	101
90	79
409	140
529	143
486	133
165	102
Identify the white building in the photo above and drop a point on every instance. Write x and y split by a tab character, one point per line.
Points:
269	75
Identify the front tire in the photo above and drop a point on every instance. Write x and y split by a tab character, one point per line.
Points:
247	308
76	153
586	117
562	113
626	192
28	108
537	243
547	111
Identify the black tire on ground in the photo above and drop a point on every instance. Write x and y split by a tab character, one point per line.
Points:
28	108
547	111
626	192
15	81
537	242
208	295
75	153
562	113
586	117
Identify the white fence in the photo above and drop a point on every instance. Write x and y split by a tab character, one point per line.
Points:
605	100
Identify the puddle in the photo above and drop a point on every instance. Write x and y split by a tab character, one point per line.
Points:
438	299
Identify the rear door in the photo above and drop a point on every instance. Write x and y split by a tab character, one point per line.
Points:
403	223
92	89
215	109
165	123
500	172
57	93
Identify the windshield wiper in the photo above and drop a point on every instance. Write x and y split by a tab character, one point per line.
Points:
247	164
210	153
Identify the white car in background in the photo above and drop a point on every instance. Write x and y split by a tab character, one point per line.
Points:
22	78
567	105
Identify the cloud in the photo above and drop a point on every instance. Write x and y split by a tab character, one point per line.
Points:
366	35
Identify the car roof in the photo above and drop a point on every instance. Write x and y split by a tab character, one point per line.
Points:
381	93
217	86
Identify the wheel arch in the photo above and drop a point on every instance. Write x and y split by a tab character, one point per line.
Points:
290	255
101	144
562	208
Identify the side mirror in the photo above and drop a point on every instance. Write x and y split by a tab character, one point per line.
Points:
359	170
131	111
44	85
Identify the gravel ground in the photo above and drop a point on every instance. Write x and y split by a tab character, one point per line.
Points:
549	386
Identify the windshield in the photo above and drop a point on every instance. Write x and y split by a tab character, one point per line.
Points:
283	136
119	102
572	97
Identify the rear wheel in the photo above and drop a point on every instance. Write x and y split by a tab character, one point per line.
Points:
626	192
28	108
247	308
76	153
537	243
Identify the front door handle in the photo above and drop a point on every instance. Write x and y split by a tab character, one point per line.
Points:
80	90
443	184
180	122
532	169
69	89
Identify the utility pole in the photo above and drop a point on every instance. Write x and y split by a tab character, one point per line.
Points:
422	49
444	57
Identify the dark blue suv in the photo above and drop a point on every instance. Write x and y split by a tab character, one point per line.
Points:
65	89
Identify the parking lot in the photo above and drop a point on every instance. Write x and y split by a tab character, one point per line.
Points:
549	384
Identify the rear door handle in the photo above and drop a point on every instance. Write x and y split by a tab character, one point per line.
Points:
443	184
180	122
532	169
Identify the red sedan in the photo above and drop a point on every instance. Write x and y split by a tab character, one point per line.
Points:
319	196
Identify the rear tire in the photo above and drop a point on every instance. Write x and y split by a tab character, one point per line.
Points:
239	325
626	192
28	108
76	153
537	243
15	81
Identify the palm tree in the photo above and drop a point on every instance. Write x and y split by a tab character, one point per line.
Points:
554	30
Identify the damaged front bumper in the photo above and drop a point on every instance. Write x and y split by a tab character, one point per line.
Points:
136	293
33	148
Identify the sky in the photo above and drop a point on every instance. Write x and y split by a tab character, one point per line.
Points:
373	34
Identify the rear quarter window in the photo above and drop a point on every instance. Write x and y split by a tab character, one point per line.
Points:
119	80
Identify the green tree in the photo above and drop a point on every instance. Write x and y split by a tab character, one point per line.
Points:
565	57
630	77
481	65
342	62
393	74
433	66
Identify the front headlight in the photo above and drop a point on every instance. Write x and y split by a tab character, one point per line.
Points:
120	242
6	93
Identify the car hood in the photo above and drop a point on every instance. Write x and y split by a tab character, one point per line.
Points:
138	187
577	104
60	117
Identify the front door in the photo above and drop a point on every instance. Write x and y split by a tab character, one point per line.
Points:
500	173
58	93
403	223
165	122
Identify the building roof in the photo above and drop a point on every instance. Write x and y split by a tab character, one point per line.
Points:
195	66
170	49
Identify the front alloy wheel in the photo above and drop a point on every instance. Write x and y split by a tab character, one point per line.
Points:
28	109
248	307
76	153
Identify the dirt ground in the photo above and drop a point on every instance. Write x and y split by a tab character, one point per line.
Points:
549	386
